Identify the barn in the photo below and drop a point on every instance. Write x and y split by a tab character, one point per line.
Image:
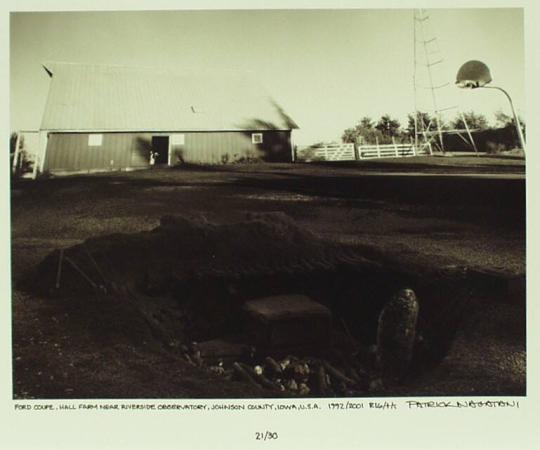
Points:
105	118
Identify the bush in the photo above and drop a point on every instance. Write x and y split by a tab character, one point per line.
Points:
308	154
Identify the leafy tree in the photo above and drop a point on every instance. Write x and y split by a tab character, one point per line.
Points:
388	127
368	132
474	121
366	123
349	136
363	133
503	120
371	136
423	121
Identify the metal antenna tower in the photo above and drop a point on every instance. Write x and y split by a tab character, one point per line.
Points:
427	59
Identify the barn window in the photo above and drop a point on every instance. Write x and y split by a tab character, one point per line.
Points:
95	140
178	139
256	138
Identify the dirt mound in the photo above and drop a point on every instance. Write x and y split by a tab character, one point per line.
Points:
182	249
189	277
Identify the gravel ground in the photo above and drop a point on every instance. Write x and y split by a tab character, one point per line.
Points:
432	219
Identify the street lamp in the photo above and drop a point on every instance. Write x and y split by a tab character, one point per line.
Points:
475	74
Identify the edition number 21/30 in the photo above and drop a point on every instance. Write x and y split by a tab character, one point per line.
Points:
265	435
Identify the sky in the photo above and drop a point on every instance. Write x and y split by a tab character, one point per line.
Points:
327	68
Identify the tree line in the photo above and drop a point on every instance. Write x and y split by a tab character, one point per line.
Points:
387	129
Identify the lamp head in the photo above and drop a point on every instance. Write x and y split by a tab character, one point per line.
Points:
473	74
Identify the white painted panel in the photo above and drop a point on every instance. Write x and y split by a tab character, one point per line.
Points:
95	140
178	139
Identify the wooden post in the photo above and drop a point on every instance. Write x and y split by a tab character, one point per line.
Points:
378	148
293	152
413	147
395	146
16	154
35	166
169	147
43	138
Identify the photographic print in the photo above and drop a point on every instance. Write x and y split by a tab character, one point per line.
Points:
268	204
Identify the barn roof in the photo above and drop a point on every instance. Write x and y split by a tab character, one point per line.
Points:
115	98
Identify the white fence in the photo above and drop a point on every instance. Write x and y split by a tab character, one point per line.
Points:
393	151
348	152
329	152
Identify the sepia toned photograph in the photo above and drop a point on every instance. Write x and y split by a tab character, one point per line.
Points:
268	204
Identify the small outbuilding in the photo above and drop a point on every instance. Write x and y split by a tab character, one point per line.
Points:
103	118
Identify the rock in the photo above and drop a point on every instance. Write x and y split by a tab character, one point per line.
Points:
297	370
272	367
301	371
292	385
284	363
396	334
303	389
219	370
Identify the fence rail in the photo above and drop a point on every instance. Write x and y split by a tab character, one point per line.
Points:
392	151
331	152
350	152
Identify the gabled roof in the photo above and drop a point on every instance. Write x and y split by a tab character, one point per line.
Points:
116	98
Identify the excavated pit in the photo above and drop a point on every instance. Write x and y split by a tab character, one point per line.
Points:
190	279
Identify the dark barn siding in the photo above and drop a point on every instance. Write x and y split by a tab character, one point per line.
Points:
220	147
212	148
70	152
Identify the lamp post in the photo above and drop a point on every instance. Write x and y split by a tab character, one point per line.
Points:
475	74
